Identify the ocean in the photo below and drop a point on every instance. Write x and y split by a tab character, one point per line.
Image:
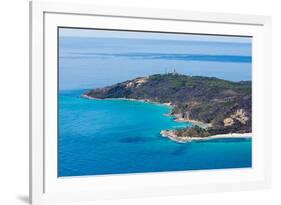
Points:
87	63
99	137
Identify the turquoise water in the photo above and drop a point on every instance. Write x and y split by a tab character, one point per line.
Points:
120	136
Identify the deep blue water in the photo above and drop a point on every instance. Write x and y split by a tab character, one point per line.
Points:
119	136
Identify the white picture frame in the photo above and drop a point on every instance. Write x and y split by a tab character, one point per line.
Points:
46	17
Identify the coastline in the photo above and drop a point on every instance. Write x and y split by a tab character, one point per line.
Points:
170	134
128	99
176	118
169	104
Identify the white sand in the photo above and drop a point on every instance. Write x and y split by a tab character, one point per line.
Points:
173	137
225	136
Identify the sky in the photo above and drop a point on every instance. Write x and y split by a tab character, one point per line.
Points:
94	33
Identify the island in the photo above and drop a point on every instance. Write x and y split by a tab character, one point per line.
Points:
215	107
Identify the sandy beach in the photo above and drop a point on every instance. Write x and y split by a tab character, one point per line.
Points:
225	136
172	136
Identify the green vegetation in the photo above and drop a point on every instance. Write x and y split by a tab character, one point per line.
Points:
194	131
206	99
178	80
